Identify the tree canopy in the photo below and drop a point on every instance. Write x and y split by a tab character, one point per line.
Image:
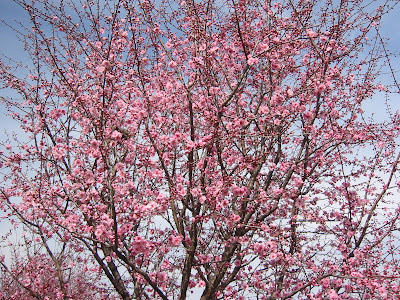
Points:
209	149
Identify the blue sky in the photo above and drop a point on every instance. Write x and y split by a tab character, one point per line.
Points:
10	12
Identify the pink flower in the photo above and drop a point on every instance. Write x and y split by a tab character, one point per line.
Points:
106	64
311	33
26	282
252	60
333	295
172	64
308	115
100	69
116	135
201	283
162	276
235	218
175	240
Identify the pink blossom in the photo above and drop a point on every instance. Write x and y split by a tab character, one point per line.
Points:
172	64
252	60
308	115
311	33
235	218
175	240
116	135
273	256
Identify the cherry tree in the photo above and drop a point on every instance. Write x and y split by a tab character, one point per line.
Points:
208	147
37	276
